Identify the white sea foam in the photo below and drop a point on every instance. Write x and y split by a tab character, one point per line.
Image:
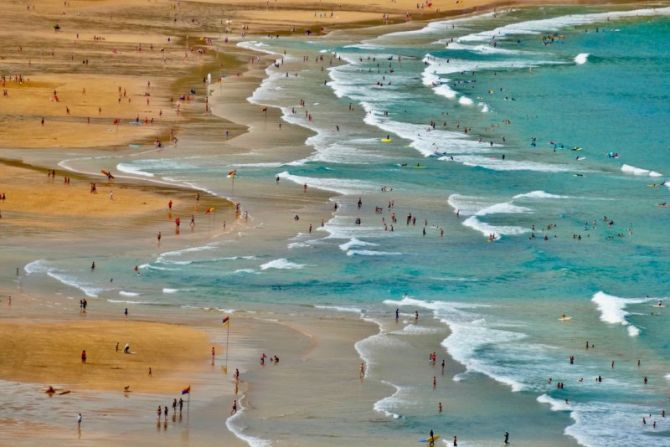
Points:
613	310
233	425
483	49
532	27
581	58
341	227
434	75
498	164
132	169
500	354
37	266
465	101
555	404
539	195
42	266
372	253
168	290
188	250
387	404
129	294
356	310
414	329
476	207
628	169
608	424
354	242
339	186
426	140
281	264
69	280
248	271
257	46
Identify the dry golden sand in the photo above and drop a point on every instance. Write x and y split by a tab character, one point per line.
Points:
74	110
50	353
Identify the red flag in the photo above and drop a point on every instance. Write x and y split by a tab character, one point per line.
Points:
226	320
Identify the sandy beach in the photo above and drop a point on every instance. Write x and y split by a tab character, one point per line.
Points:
90	84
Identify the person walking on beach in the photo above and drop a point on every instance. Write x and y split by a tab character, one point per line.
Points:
79	419
174	406
83	357
181	404
159	412
234	410
506	441
165	413
397	314
431	439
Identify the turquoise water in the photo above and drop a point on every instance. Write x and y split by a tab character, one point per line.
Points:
596	84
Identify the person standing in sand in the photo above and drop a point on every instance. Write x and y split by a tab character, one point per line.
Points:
83	357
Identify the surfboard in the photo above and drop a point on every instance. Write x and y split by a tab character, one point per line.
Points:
387	140
565	318
433	439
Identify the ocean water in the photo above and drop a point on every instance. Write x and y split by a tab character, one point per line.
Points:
544	171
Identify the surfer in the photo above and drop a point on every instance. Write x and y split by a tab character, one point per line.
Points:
506	441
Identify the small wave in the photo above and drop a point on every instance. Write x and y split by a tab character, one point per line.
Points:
385	405
281	264
188	250
482	49
628	169
110	300
37	266
248	271
42	266
235	429
129	294
498	164
465	101
339	308
613	310
533	27
539	195
169	291
476	207
339	186
554	404
354	242
581	58
130	169
372	253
